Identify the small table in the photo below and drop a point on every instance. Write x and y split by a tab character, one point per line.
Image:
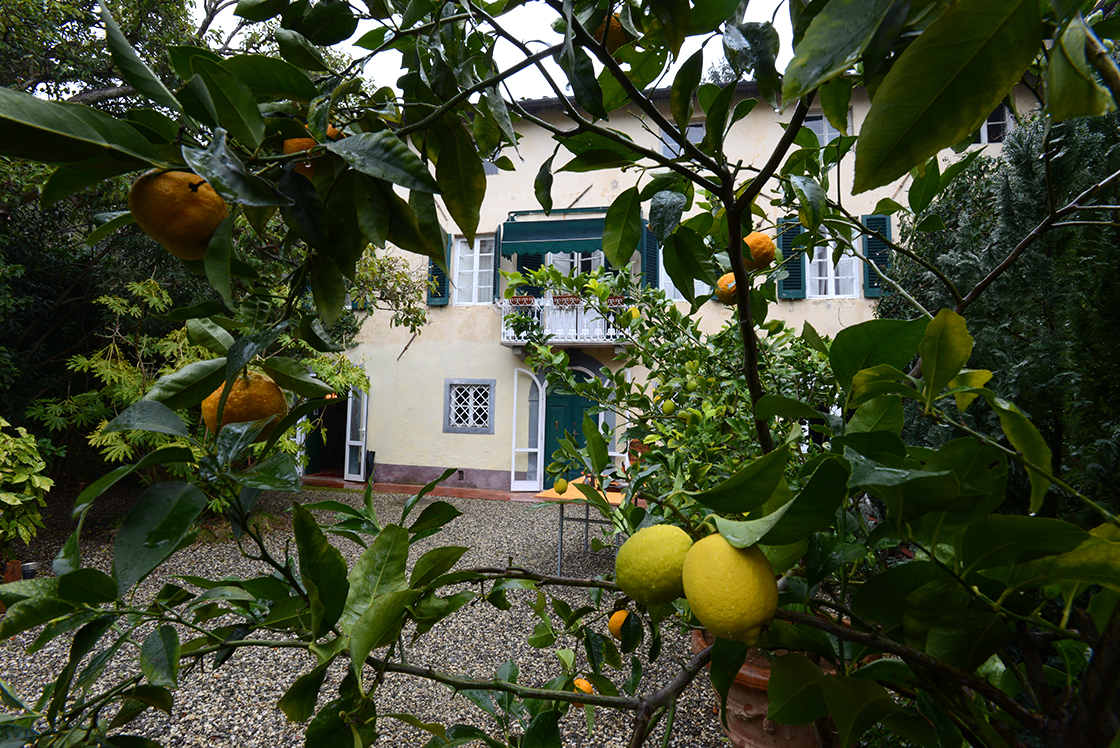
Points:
573	493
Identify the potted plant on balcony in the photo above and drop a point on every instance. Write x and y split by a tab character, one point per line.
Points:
22	491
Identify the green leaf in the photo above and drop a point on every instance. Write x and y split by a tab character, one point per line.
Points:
56	133
31	612
147	415
234	103
277	473
157	525
814	507
382	155
945	350
926	185
462	181
1095	561
542	185
856	704
796	691
622	228
322	569
665	212
598	159
209	335
328	287
835	39
305	212
91	586
298	702
908	494
1028	441
270	78
727	659
1072	89
771	406
1003	540
435	563
216	262
99	486
298	51
221	167
377	625
261	10
750	487
675	21
882	413
435	515
945	84
685	83
878	341
811	201
576	64
295	376
186	387
685	257
159	657
379	571
132	68
113	222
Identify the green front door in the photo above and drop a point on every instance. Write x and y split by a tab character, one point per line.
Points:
563	413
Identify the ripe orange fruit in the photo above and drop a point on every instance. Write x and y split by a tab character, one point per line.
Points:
298	145
725	288
615	624
253	397
761	249
178	209
614	36
582	684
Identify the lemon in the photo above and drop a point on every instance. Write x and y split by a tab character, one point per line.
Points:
731	590
725	288
668	407
648	565
761	249
178	209
561	486
614	625
251	398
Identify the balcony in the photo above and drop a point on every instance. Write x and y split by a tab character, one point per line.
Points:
568	322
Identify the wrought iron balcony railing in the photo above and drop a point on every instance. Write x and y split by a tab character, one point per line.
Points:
567	320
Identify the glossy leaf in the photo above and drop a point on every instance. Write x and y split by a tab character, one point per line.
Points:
219	255
157	525
379	571
925	185
770	406
665	213
1095	561
972	379
750	487
435	563
878	341
1027	440
270	78
882	413
301	53
1003	540
622	228
322	569
378	621
304	212
234	103
544	731
112	222
159	657
945	350
31	612
908	494
147	415
93	490
1072	89
298	702
277	473
227	175
814	507
946	83
952	624
542	185
209	335
834	41
685	257
811	201
261	10
462	181
132	68
796	691
577	66
856	704
382	155
91	586
295	376
685	83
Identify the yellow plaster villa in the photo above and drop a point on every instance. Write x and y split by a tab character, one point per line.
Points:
460	396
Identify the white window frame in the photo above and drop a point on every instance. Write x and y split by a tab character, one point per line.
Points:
1002	118
820	267
694	132
699	288
821	127
573	263
479	288
450	387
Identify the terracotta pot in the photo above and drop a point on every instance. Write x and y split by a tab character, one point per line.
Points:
747	703
566	300
522	300
637	448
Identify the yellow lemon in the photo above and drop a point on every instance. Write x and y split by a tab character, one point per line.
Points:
178	209
731	590
561	486
648	565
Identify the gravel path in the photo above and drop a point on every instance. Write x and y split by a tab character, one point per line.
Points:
235	705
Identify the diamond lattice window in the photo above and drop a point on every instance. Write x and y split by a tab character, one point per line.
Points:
469	407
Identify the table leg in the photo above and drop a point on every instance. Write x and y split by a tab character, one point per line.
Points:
560	545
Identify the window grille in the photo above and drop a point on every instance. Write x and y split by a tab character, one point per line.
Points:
469	406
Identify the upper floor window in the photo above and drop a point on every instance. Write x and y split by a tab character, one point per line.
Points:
694	133
574	263
474	270
996	127
671	291
828	280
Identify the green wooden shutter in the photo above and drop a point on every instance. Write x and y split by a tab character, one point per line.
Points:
439	291
650	250
877	251
793	285
526	263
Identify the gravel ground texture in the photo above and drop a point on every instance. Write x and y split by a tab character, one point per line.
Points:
235	704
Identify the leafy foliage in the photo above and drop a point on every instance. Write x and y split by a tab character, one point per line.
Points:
22	486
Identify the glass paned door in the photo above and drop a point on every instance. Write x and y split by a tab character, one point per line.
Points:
357	408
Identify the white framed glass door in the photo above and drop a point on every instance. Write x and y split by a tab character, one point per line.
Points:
357	409
528	461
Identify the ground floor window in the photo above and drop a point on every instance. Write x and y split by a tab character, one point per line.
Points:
468	406
828	280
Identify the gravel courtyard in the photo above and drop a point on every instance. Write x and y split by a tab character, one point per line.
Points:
235	705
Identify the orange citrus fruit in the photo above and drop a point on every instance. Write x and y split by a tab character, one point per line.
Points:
582	684
761	248
725	288
615	624
614	36
299	145
178	209
253	397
